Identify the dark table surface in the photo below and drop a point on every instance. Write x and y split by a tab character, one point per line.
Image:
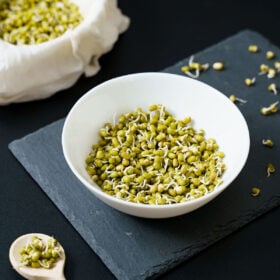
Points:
161	33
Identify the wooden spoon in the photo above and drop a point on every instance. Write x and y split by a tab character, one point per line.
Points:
54	273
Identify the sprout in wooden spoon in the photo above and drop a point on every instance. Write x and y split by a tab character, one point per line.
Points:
37	256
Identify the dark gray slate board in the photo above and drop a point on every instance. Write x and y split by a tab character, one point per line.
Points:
119	239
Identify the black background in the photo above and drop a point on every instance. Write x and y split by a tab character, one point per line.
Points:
161	33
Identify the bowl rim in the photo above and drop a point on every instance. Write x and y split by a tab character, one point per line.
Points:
97	190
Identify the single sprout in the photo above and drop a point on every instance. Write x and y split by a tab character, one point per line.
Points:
270	54
271	109
218	66
270	169
249	82
272	87
253	48
255	191
268	143
271	73
277	65
193	69
263	69
234	99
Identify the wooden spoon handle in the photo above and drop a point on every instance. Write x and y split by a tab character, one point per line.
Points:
62	277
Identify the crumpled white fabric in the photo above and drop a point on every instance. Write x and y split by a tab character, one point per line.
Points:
31	72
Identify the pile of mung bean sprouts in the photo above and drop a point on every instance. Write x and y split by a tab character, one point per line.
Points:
36	21
152	158
37	253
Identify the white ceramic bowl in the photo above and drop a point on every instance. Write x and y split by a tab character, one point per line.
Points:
182	96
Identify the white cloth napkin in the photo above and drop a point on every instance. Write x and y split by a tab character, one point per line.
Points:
30	72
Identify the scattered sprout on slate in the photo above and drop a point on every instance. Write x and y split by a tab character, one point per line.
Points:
253	48
263	69
267	143
193	69
270	54
272	108
270	169
234	99
218	66
249	82
271	73
255	191
277	65
272	87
